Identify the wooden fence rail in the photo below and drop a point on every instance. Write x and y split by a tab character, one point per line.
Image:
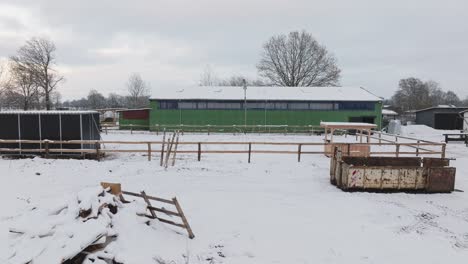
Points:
149	147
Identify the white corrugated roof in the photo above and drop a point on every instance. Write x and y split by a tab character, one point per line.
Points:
44	112
267	93
388	112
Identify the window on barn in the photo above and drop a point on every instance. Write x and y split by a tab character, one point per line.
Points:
201	105
168	104
281	106
187	105
255	105
357	106
321	106
298	106
223	105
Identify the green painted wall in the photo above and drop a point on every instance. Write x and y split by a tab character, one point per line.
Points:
254	117
140	124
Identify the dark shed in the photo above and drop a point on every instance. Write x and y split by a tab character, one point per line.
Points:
48	125
441	117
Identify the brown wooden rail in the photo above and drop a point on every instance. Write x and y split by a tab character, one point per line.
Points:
45	147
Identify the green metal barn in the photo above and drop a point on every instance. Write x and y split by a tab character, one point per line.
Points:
261	108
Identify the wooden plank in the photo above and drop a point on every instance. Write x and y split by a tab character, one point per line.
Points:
171	223
162	210
115	188
149	197
184	219
143	194
175	149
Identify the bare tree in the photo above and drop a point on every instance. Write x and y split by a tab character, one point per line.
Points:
298	60
96	100
37	58
138	91
452	98
208	77
23	85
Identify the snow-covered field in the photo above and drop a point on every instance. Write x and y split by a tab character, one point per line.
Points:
273	210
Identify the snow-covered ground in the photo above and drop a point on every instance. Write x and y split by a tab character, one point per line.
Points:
273	210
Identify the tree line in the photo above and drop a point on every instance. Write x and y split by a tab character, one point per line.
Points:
137	96
415	94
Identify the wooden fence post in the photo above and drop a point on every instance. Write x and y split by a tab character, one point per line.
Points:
299	148
149	151
162	148
397	150
380	139
46	146
442	155
97	146
199	151
417	148
250	150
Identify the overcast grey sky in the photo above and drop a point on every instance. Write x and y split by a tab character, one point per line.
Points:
170	42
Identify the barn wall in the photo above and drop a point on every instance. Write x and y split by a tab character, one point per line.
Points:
427	117
137	118
256	117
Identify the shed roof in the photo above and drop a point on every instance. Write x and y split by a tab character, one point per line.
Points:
44	112
265	93
451	107
138	109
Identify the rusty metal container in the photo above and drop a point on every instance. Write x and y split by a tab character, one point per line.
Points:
392	174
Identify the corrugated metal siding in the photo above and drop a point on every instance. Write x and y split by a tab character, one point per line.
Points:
256	117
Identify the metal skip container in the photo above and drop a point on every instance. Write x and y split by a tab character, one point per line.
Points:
431	175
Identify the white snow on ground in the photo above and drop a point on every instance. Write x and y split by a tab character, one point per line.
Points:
273	210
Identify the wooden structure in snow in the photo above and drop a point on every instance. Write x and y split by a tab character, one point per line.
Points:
347	149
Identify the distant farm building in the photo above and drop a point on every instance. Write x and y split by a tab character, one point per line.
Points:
441	117
47	125
137	119
264	106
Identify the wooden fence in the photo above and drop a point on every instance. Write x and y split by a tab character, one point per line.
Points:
420	148
307	129
153	209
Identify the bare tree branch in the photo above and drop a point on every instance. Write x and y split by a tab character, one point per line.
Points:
37	59
298	60
138	91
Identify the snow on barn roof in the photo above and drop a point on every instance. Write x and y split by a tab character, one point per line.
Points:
44	112
267	93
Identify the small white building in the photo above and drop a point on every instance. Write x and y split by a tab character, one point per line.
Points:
388	114
464	114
